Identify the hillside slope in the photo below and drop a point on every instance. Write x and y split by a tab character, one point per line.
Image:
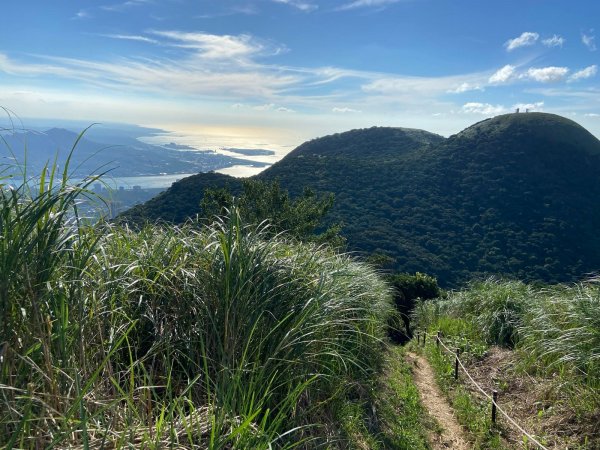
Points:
513	195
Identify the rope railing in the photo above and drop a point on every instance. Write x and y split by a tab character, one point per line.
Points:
492	398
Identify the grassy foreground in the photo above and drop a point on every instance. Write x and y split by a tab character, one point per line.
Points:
176	337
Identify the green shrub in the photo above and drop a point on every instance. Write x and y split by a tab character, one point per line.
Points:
408	289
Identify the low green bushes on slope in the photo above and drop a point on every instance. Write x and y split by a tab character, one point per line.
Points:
190	337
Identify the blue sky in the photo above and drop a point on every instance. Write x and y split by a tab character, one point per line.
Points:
278	72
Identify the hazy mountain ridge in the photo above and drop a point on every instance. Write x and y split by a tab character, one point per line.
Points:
513	195
131	157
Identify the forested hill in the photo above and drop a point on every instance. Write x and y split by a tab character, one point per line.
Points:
328	164
514	195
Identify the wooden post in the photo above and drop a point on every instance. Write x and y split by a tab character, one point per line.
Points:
418	337
495	399
424	336
438	339
456	364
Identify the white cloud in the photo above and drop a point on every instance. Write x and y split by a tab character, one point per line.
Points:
214	46
582	74
187	76
526	39
464	87
82	14
285	110
129	37
419	88
592	115
118	7
302	6
345	110
485	109
366	4
538	106
554	41
589	40
265	107
503	75
549	74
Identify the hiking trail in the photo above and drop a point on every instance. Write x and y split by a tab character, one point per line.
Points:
452	434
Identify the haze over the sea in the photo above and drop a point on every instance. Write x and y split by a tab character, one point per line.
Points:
274	73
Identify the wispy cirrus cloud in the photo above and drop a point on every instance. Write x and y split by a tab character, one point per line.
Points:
262	107
554	41
298	4
188	76
524	40
366	4
214	46
132	37
82	14
122	6
424	87
583	74
589	40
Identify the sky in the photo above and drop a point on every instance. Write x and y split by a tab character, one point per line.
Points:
275	73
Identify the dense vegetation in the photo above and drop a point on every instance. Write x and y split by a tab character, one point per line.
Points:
193	336
514	195
408	289
182	200
266	202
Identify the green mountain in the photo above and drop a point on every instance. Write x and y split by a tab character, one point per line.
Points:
514	195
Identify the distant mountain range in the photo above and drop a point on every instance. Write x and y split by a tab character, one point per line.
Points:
516	195
118	151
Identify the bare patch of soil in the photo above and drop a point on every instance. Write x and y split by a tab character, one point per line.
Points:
452	435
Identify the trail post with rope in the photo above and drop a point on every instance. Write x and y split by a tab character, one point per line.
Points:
456	364
494	403
493	398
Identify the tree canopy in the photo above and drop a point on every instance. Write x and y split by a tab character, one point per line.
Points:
266	202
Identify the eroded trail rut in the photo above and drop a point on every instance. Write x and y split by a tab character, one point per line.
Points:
452	435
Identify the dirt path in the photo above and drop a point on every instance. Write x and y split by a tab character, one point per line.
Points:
452	434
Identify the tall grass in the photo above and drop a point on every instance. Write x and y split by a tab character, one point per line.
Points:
186	337
490	310
558	327
562	327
